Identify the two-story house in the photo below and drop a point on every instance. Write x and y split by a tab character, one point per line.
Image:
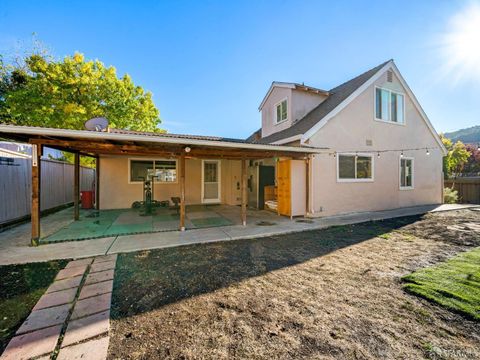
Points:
383	152
364	145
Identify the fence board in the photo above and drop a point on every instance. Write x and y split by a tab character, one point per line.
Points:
468	189
56	186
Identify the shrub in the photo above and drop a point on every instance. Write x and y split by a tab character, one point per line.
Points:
450	196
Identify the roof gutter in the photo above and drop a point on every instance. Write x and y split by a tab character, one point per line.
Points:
85	134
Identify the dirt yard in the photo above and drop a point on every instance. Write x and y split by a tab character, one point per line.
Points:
328	294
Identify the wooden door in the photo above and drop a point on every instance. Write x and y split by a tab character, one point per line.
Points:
283	188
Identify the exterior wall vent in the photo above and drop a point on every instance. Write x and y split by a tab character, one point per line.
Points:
369	142
389	76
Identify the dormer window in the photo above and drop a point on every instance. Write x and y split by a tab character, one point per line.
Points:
389	106
281	111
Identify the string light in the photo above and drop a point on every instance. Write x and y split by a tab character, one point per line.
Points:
401	155
378	152
428	151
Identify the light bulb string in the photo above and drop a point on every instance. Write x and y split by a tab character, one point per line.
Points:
378	152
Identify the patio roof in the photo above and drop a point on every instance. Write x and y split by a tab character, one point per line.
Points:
125	142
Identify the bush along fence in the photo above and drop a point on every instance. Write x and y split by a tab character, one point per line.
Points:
56	187
468	189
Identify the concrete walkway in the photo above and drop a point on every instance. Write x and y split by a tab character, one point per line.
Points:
72	318
14	243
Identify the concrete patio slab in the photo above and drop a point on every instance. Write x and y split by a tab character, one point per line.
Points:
43	318
65	284
56	298
80	262
99	277
92	305
91	350
87	328
34	344
71	272
102	266
96	289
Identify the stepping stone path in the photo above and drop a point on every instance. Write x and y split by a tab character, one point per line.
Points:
72	319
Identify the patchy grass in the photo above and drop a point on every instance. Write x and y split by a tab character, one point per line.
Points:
326	294
454	284
20	288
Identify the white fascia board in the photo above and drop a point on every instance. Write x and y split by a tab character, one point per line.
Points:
275	84
287	140
85	134
313	130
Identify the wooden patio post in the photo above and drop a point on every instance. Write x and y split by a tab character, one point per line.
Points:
182	192
76	187
36	180
97	183
308	163
244	192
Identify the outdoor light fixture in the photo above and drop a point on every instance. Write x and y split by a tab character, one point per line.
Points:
187	149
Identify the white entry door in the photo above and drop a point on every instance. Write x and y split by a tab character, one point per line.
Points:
210	181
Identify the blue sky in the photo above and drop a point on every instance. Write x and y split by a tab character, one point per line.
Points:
210	63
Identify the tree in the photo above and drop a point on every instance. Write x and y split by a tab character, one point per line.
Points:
40	91
473	163
456	158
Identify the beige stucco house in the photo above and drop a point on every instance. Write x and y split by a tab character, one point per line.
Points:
364	145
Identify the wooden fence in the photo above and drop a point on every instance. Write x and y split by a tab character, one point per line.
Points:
56	186
468	189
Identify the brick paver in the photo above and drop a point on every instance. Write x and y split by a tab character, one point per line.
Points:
65	284
91	350
39	335
71	272
96	289
86	328
42	318
33	344
112	257
56	298
91	305
80	262
102	266
99	277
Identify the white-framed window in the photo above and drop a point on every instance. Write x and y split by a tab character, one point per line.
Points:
389	106
354	167
406	173
281	111
162	170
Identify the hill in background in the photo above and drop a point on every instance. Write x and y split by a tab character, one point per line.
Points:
468	136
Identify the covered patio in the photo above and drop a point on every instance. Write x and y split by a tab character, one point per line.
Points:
93	224
120	144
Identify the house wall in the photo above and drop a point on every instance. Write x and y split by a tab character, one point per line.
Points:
349	131
299	104
117	193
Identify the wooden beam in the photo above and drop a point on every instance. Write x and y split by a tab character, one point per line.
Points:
244	192
76	187
182	192
97	183
36	181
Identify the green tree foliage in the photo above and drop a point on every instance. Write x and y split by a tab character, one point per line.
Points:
40	91
456	158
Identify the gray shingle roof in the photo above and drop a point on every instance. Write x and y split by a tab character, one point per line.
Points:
337	96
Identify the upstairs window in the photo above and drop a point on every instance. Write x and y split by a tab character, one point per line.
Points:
281	111
389	106
406	173
355	167
165	171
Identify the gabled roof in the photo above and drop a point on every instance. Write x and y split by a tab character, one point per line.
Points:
291	85
336	96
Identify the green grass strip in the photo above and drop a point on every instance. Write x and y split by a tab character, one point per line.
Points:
454	284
